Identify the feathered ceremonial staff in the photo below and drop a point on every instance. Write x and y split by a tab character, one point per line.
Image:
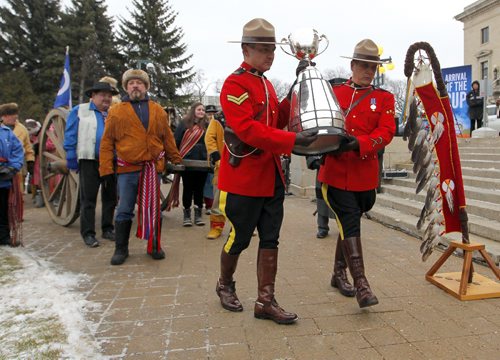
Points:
445	200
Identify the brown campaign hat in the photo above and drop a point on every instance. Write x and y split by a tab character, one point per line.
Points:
366	50
258	31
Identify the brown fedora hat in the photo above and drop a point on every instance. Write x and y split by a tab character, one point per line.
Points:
366	50
258	31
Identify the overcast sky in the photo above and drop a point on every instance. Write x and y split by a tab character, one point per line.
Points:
393	24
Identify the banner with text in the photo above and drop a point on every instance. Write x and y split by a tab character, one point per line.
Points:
458	83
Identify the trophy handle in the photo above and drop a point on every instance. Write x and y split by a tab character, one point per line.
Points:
327	43
285	40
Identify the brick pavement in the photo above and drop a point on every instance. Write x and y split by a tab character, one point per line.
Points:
169	310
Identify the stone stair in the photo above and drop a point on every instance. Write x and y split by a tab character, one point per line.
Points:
399	207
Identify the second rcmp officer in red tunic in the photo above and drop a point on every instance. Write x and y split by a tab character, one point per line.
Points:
250	178
350	174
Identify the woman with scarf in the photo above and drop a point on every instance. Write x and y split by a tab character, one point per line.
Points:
190	140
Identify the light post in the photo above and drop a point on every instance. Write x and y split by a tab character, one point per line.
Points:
147	62
148	66
381	69
379	81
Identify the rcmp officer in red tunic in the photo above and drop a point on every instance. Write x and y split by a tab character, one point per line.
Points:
349	176
250	178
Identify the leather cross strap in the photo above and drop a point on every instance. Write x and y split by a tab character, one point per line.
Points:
353	105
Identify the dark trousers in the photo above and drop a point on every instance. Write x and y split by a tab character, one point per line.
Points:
247	213
90	182
193	183
348	207
473	123
4	216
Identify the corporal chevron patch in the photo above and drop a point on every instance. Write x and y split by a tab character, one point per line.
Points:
238	100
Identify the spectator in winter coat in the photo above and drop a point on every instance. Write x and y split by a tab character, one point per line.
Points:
82	140
11	161
10	118
476	103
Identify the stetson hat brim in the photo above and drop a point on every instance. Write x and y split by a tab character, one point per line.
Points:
364	58
366	50
258	31
101	86
257	41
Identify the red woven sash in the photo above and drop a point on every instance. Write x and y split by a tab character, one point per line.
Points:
148	201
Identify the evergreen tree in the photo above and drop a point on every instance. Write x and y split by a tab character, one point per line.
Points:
29	34
93	49
152	36
16	87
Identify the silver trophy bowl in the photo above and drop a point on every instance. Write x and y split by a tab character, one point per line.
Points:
313	105
304	43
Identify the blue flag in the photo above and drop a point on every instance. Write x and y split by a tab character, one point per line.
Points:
64	94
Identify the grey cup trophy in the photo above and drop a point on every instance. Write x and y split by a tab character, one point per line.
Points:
313	105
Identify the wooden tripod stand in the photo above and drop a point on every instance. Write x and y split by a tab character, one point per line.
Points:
466	285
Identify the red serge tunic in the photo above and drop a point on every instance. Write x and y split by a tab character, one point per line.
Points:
243	98
371	121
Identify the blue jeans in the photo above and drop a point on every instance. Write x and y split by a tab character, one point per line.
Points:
128	184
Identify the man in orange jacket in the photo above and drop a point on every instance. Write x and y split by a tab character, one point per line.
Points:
138	132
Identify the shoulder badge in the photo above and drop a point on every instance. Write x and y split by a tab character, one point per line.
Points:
238	100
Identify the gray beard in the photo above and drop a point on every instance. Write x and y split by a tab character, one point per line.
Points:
137	95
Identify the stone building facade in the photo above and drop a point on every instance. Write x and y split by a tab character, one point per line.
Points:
481	21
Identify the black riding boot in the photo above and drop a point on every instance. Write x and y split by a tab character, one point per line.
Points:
122	234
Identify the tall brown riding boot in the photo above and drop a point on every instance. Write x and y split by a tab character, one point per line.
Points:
339	276
266	306
226	288
353	253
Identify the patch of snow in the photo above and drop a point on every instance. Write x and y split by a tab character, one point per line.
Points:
39	291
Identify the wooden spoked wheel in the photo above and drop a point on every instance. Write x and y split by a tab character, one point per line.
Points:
60	187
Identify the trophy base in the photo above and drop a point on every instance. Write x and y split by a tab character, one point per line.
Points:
329	139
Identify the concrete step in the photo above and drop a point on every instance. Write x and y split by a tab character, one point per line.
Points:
407	223
488	195
476	163
483	173
404	200
487	156
481	164
470	178
478	142
482	221
466	171
478	150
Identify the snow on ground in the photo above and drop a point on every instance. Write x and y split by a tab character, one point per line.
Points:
42	313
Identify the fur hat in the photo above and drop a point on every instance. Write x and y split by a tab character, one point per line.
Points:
135	74
366	50
258	31
9	109
110	80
